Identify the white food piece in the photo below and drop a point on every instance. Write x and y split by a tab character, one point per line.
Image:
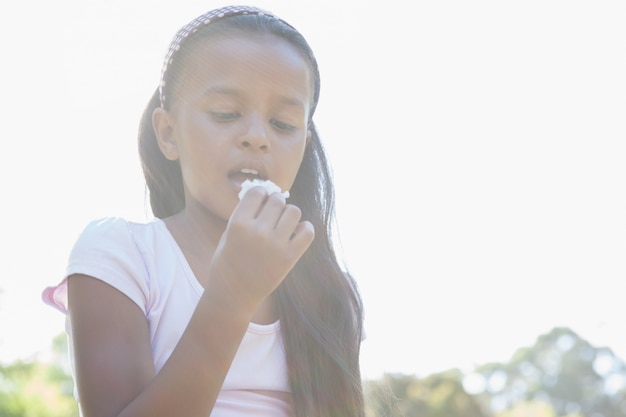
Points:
269	186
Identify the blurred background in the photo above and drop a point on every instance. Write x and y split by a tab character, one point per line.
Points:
478	150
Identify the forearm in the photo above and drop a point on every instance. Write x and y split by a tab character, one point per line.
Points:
115	373
191	379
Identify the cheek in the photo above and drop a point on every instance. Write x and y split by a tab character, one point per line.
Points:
199	137
294	159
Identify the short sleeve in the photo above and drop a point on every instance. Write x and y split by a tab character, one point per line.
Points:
105	250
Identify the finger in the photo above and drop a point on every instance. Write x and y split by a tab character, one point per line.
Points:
302	238
288	221
251	203
272	210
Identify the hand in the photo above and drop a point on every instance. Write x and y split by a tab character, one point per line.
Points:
262	242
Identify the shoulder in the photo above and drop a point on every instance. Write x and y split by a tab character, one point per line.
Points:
110	227
113	233
109	249
116	251
107	228
114	245
118	243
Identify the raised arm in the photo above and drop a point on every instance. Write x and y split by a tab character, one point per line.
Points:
112	353
114	370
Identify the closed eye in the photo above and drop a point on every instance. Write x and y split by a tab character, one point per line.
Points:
224	117
282	125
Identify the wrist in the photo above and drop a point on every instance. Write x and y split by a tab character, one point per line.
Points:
228	295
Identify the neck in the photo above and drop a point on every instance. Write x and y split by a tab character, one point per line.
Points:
201	225
196	232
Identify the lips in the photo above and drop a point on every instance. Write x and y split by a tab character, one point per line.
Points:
247	172
251	173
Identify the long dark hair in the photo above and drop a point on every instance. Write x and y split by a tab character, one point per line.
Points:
318	303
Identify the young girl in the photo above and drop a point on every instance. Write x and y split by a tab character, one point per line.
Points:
220	306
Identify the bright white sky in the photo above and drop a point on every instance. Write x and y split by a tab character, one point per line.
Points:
478	149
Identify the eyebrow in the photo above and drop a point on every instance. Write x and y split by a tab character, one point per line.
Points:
227	91
221	91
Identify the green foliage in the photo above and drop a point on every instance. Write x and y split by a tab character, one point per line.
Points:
560	370
438	395
531	408
33	389
562	375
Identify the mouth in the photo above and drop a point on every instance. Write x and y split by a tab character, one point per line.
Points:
244	174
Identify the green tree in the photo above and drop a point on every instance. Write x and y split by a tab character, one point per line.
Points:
34	389
560	370
532	408
438	395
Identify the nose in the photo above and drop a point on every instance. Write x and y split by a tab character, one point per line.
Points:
255	136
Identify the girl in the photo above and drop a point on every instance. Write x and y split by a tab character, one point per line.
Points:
220	306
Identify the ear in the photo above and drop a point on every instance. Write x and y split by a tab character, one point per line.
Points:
308	137
164	131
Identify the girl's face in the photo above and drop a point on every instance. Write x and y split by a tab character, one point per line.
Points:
240	111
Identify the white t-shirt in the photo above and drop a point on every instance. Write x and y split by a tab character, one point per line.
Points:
143	261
